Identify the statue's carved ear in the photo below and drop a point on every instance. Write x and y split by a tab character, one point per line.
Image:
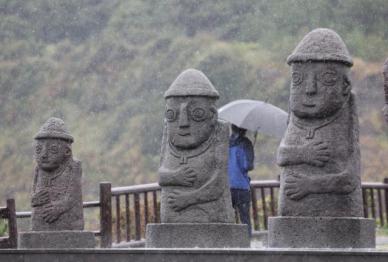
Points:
347	85
68	151
214	111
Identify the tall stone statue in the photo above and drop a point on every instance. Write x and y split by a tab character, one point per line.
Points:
57	213
320	186
195	199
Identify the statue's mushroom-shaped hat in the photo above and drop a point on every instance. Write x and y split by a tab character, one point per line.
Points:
321	44
54	128
191	82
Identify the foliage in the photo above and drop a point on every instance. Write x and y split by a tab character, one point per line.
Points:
3	227
103	67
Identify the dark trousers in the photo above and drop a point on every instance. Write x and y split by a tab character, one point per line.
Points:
241	201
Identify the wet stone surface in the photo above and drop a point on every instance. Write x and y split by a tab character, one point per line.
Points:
319	154
57	213
193	170
195	199
56	195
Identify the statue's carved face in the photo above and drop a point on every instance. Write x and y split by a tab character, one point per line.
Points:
318	89
190	120
50	153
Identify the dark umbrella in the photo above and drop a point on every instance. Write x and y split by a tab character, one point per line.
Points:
257	116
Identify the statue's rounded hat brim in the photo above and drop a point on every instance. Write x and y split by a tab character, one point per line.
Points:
58	135
321	45
192	82
54	128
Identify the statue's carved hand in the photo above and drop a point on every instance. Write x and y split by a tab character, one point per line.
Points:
297	186
40	198
178	200
385	112
51	213
316	153
187	176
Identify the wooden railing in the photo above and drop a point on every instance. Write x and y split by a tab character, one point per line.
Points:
375	199
264	202
125	211
8	213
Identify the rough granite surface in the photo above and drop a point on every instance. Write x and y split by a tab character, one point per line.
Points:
196	205
56	193
321	232
217	235
320	197
319	154
57	212
57	239
193	168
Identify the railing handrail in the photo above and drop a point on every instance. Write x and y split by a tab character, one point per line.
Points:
265	183
135	189
86	204
374	185
155	186
23	214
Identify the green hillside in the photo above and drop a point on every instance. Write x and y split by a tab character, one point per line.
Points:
103	67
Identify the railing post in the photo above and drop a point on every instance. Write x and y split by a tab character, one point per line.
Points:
13	232
385	181
106	214
256	224
137	217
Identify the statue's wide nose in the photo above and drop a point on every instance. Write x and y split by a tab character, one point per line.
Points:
311	85
183	117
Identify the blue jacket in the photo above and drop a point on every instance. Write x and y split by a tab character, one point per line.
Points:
241	157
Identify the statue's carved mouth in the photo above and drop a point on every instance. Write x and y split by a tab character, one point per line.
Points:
184	133
309	105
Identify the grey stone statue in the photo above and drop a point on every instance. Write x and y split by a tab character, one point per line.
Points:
195	199
193	159
319	154
57	213
56	194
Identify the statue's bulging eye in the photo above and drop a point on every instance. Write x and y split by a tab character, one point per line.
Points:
329	78
38	149
297	78
170	115
198	114
54	149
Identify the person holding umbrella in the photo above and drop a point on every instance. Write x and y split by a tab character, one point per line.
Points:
241	156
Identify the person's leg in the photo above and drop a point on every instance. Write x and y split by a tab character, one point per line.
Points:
234	195
244	209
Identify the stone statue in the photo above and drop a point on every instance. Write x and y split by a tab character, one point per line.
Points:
57	212
319	154
56	193
196	208
385	74
193	173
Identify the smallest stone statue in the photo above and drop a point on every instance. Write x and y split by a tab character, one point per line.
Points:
56	193
57	214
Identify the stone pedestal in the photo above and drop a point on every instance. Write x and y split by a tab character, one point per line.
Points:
321	232
56	239
207	235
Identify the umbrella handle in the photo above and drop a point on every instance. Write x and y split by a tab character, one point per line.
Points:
255	137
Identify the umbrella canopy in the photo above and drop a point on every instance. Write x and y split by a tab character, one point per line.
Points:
255	116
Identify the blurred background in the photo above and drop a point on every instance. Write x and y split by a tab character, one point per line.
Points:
103	67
